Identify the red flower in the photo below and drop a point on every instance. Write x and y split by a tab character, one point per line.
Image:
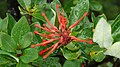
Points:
62	35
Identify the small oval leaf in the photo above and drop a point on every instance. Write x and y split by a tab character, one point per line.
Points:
8	44
29	55
70	55
20	29
26	40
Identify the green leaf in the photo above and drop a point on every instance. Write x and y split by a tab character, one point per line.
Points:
36	38
72	63
78	11
4	60
95	6
97	53
85	33
7	61
26	40
11	23
48	62
20	29
29	55
85	24
114	50
3	25
71	46
67	4
96	19
8	44
70	55
102	34
6	53
53	18
21	64
38	15
116	29
25	3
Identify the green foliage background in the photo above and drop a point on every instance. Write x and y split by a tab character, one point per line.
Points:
17	36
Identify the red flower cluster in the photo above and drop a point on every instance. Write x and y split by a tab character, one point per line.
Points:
61	34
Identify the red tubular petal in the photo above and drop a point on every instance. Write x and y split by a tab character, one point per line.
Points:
54	47
42	52
80	40
58	13
42	28
57	6
90	41
32	46
59	46
54	27
37	25
36	32
46	42
73	25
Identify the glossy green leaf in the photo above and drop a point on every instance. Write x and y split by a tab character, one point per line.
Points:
71	46
72	63
67	4
25	3
95	6
21	64
54	17
3	25
6	61
48	62
26	40
85	33
36	38
11	22
97	53
96	19
33	28
85	23
116	29
78	11
29	55
114	50
6	53
3	60
38	15
8	44
20	29
102	34
70	55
